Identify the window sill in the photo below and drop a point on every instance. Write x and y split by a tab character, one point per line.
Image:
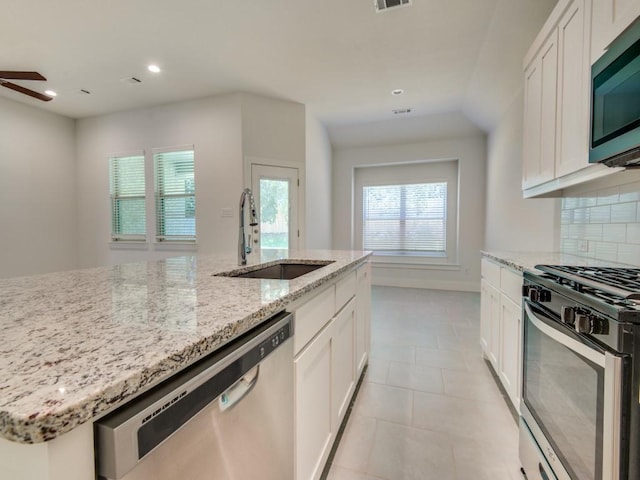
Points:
176	246
128	245
417	262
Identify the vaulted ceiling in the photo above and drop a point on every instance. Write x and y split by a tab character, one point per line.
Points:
340	58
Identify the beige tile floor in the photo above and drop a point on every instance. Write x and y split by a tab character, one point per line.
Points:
429	407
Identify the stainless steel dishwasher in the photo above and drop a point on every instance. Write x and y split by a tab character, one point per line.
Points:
228	417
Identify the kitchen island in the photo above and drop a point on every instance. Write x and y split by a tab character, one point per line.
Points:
79	344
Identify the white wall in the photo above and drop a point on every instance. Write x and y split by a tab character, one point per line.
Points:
471	153
224	130
512	223
37	190
212	125
318	185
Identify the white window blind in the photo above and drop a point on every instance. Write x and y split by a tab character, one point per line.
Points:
175	196
127	190
405	219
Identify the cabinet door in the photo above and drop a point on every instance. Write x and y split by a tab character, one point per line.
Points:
313	420
510	354
490	322
343	362
572	146
540	115
610	19
363	317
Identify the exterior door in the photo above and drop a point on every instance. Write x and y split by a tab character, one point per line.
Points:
276	196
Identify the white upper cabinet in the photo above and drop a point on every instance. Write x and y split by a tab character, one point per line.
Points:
540	115
610	19
557	86
574	73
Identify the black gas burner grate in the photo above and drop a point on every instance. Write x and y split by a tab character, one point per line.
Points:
615	286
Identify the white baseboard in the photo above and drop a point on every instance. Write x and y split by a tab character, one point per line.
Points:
428	284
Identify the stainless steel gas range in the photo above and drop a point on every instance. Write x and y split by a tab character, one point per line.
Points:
581	360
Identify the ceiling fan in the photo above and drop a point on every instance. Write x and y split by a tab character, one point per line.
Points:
5	76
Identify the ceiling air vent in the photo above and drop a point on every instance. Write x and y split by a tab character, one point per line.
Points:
382	5
401	111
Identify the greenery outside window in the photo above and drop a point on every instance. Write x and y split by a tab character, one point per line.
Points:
175	192
127	191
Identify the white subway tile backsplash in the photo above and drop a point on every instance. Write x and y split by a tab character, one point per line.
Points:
606	251
614	232
609	196
601	214
624	212
629	254
583	215
587	201
630	192
603	224
633	233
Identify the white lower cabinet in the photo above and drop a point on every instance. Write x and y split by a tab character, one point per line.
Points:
363	317
489	322
501	325
510	348
326	368
313	405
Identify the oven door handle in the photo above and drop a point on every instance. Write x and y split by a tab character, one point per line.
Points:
583	350
612	417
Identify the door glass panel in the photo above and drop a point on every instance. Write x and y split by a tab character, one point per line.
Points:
274	213
565	394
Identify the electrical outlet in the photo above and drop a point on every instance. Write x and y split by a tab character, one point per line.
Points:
583	245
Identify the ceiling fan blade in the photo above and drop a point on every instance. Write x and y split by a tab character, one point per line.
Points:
26	91
9	75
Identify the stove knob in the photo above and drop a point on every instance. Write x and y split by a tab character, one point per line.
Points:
584	323
534	295
568	315
545	295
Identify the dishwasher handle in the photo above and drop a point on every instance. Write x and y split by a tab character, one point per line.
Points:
239	390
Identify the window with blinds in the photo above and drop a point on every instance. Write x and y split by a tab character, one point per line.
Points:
175	196
127	190
405	219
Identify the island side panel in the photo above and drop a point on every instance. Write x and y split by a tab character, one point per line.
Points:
67	457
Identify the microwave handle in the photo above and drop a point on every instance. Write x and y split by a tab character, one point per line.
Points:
572	344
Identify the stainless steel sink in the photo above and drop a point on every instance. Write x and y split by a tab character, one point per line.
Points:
279	271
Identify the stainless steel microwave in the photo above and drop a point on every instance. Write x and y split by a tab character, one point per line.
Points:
615	102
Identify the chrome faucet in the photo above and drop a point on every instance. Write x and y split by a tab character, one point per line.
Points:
244	247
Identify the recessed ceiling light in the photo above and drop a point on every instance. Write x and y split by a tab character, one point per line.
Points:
154	68
51	93
397	91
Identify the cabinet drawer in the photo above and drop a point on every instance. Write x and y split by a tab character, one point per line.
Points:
511	284
312	316
491	272
345	290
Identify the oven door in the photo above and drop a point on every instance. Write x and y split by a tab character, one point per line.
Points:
571	399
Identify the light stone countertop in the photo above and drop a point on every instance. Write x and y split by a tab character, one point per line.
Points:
76	344
526	261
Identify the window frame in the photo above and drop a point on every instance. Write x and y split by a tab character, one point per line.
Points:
159	218
119	237
410	173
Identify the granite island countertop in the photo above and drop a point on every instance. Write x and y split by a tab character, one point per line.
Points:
77	344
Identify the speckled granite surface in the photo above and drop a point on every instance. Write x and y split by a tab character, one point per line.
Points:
76	344
522	261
